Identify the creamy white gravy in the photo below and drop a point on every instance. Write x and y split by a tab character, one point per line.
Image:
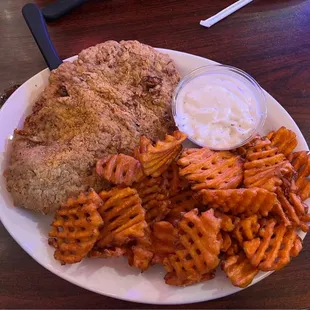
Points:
217	110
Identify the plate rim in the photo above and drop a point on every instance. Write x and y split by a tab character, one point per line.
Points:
71	279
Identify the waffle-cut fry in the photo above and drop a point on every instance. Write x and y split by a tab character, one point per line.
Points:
123	216
234	248
181	203
154	196
226	241
288	210
157	210
172	279
247	201
164	240
301	163
269	135
207	169
278	210
284	139
120	169
140	254
247	229
272	250
239	270
140	258
228	222
188	209
297	247
304	222
256	248
106	253
265	167
75	229
280	254
156	159
299	206
291	210
242	150
299	159
173	181
199	235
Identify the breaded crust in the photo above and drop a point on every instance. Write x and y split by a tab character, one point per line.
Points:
99	104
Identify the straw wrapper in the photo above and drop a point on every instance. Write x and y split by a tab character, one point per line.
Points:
224	13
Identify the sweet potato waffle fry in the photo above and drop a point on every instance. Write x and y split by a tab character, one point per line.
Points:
98	252
247	229
283	139
75	229
199	236
181	203
207	169
140	254
243	207
185	279
234	248
297	247
120	169
173	181
164	240
140	257
228	222
239	270
156	159
301	163
123	216
291	210
226	241
272	249
242	150
154	196
245	201
265	167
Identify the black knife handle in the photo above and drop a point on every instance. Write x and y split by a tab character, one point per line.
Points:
60	8
36	23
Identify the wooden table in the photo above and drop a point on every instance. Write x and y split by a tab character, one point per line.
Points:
268	39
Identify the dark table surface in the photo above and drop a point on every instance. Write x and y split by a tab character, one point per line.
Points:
270	39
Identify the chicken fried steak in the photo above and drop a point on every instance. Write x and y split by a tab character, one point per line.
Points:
99	104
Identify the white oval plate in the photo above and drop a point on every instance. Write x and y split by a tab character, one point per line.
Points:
111	277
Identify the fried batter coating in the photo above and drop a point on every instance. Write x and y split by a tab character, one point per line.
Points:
100	104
